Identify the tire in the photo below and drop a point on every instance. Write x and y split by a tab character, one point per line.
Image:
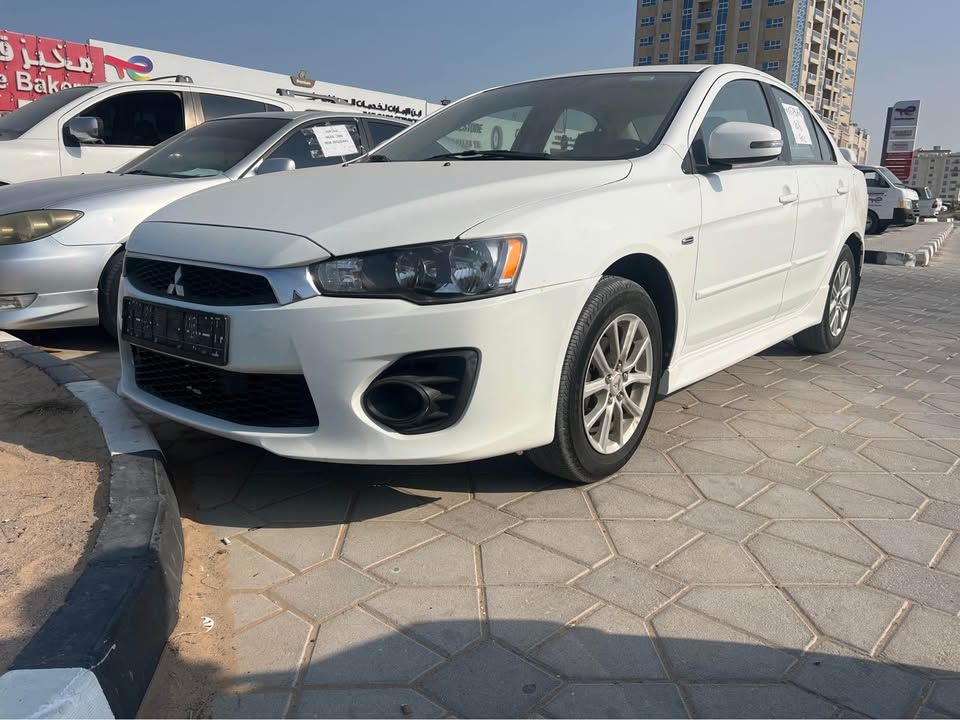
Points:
882	227
108	292
825	337
581	453
873	223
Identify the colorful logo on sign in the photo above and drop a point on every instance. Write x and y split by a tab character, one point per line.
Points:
138	67
907	111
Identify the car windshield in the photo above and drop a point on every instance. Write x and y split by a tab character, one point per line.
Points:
206	150
16	123
586	117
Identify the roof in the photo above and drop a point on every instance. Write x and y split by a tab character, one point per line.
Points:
306	114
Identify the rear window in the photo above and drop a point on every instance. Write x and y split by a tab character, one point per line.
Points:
216	106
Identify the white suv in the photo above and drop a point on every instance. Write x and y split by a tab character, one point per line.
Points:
96	128
525	270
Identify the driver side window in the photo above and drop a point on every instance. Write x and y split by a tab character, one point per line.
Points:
737	101
874	180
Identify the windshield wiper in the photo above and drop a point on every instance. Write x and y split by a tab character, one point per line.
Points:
377	158
143	172
490	155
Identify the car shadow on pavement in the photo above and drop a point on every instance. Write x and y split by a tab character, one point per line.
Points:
358	664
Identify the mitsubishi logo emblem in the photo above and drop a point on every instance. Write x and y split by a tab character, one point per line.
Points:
176	287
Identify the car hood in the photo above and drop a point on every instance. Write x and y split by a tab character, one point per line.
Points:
65	191
368	206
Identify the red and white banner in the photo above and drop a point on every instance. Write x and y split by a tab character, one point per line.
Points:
33	66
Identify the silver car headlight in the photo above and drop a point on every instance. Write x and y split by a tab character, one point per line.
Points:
433	273
32	225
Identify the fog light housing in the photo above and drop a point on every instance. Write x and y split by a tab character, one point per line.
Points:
17	302
423	392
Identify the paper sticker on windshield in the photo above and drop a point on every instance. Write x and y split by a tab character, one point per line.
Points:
798	125
335	140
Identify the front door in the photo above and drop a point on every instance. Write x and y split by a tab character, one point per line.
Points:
749	216
132	122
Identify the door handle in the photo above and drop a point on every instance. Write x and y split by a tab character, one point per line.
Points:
788	198
842	189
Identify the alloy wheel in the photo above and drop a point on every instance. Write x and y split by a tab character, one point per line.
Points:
616	387
841	292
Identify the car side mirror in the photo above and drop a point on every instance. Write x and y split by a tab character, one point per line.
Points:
276	164
85	130
743	143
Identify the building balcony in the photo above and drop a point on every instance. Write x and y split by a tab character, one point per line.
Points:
705	15
700	57
703	36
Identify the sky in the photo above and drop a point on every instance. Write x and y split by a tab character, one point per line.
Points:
446	48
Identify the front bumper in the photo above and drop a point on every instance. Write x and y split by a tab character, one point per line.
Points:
904	216
64	278
340	345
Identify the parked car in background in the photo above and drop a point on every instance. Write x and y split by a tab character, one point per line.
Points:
928	206
433	303
95	128
891	202
61	240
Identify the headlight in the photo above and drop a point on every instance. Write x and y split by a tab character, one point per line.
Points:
438	272
23	227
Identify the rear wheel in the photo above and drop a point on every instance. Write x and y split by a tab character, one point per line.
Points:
108	293
608	385
873	223
828	333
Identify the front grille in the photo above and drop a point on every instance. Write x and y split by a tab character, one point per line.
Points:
198	284
260	400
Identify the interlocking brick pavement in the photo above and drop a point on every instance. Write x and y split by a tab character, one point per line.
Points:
785	543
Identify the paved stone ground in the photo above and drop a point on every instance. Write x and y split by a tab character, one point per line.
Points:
783	544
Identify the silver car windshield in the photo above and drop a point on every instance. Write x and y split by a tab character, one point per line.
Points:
209	149
586	117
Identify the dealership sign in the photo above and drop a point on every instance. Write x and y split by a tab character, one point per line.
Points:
32	66
900	138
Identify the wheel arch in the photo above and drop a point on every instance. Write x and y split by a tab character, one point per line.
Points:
855	242
648	272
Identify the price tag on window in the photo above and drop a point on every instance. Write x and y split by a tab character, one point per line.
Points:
798	125
335	140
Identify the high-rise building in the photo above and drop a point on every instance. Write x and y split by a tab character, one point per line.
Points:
812	45
938	170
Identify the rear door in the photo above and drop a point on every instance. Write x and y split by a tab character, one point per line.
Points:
749	217
132	122
823	189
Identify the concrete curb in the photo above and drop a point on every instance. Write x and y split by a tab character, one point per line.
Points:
925	252
880	257
101	647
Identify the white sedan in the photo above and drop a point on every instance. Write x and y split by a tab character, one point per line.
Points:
526	270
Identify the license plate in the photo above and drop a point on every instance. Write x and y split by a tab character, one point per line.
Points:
184	333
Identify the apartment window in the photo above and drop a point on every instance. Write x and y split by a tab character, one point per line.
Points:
776	2
648	3
645	60
644	41
744	25
772	44
775	22
770	66
647	21
664	37
742	48
746	4
664	58
666	17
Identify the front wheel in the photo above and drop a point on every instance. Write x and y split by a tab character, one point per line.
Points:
873	223
828	333
608	385
108	292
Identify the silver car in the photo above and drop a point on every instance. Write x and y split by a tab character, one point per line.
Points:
61	240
